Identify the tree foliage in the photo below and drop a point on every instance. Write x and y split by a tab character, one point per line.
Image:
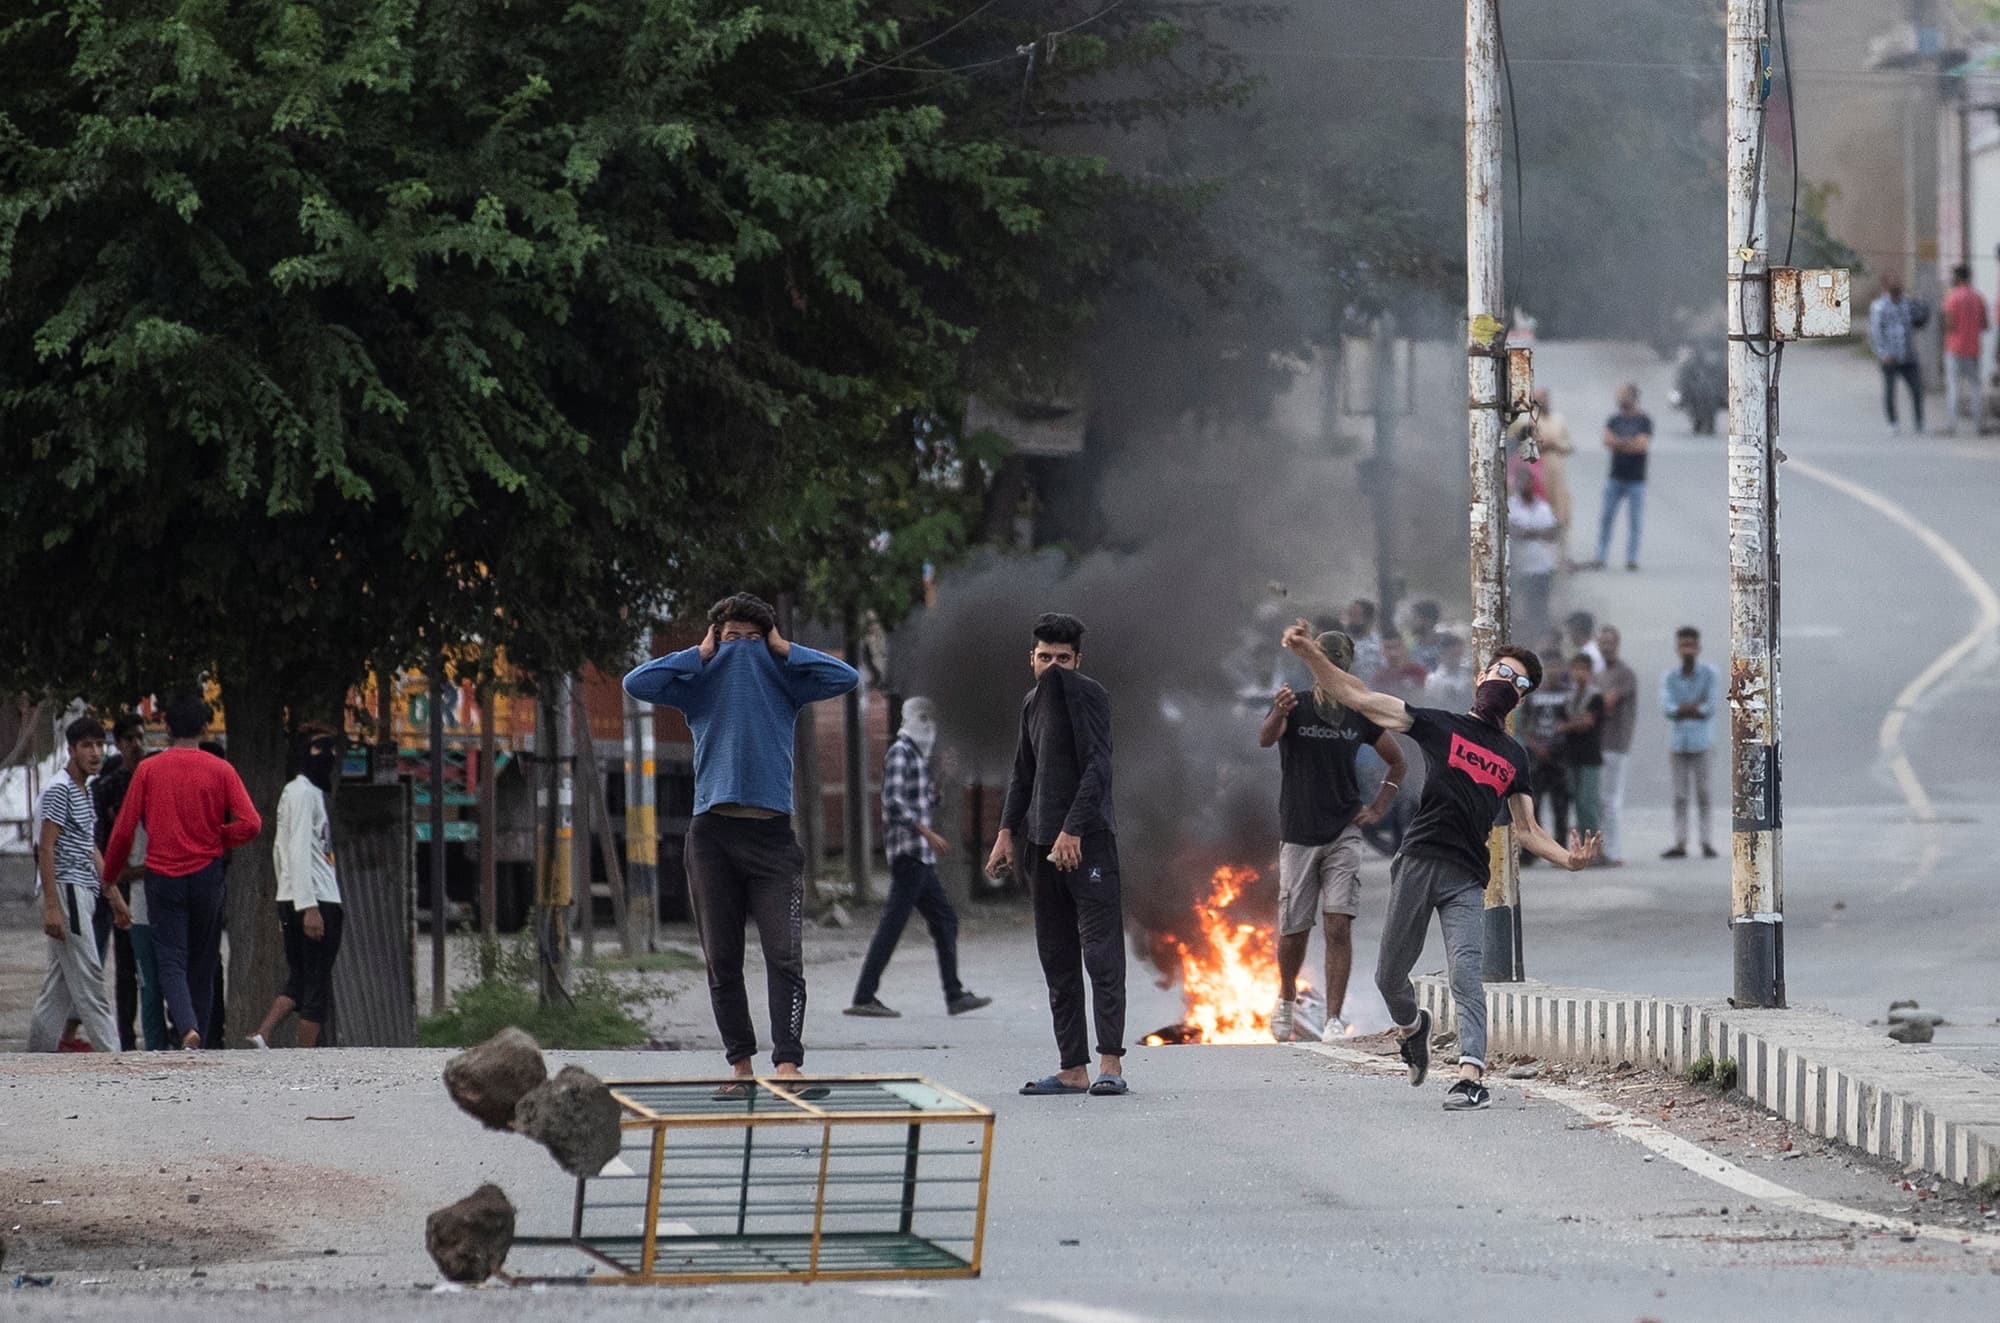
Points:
336	330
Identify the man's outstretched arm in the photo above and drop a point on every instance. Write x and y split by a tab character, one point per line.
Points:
1582	850
1385	710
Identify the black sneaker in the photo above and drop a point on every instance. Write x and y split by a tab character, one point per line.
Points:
1678	852
1416	1049
1707	850
873	1009
966	1001
1467	1096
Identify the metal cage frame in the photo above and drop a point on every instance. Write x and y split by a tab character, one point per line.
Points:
832	1104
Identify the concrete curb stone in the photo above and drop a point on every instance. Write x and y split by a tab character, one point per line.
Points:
1828	1075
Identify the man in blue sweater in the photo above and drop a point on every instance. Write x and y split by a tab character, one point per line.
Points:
741	689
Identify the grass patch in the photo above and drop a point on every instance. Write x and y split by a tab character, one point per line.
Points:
597	1013
671	960
1702	1071
1725	1074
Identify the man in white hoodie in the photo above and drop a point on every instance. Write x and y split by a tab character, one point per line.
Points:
308	891
909	799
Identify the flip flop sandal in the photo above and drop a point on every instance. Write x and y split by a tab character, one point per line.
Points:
809	1092
1049	1085
738	1092
1109	1086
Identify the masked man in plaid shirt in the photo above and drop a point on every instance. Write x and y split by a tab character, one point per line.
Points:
909	799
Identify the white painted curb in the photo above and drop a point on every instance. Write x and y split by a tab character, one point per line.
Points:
1827	1075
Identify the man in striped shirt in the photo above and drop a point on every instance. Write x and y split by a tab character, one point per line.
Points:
69	864
909	799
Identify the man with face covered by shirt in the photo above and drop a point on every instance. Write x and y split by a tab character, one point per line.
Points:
741	689
1471	766
1057	828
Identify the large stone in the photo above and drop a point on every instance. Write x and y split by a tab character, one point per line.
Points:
469	1240
1914	1016
575	1118
490	1080
1912	1031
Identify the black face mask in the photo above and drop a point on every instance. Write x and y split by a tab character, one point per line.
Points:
318	765
1494	699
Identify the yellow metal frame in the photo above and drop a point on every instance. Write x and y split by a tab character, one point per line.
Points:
798	1111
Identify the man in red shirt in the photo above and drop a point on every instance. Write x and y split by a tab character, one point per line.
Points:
1964	322
193	808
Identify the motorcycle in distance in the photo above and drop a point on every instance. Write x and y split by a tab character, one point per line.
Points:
1701	386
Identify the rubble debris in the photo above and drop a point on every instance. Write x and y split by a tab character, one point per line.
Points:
469	1240
1912	1031
490	1080
1895	1006
575	1118
1910	1015
1523	1072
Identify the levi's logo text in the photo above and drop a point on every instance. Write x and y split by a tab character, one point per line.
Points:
1482	765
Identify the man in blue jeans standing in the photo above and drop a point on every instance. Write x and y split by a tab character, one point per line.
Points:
1628	436
741	689
909	800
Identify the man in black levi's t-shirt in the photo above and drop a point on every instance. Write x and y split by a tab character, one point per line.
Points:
1472	766
1320	817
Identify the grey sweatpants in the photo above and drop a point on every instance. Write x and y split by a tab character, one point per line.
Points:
1418	886
74	988
1690	782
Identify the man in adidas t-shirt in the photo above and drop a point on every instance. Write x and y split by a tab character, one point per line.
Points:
1472	765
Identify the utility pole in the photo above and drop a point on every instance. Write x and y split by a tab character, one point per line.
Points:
642	831
854	800
582	766
1486	350
1756	874
435	705
1382	468
489	812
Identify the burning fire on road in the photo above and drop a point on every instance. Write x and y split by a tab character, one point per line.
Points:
1228	973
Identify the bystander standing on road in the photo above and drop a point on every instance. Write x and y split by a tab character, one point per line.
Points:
192	807
1531	533
1449	685
1472	766
1357	621
1892	325
1399	673
1580	635
310	917
1552	440
1965	322
1320	817
1628	435
1423	632
1619	685
1687	695
1581	744
141	1015
741	689
913	844
1538	726
69	866
1057	828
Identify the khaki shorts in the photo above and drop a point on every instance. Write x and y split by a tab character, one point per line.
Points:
1315	879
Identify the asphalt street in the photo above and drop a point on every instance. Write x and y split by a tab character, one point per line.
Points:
1867	606
1233	1183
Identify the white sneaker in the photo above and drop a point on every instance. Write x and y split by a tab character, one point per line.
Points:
257	1041
1281	1020
1335	1031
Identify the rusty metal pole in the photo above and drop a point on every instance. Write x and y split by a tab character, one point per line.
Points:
1756	872
440	905
1486	343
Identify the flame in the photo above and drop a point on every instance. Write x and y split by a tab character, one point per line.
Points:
1229	980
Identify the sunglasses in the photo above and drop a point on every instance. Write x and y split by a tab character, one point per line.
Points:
1506	672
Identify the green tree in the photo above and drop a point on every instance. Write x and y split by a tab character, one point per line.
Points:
336	331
